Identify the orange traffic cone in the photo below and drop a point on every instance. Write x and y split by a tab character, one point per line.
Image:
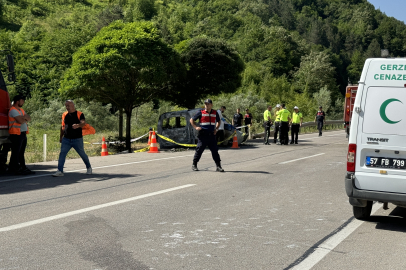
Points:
154	145
235	142
104	148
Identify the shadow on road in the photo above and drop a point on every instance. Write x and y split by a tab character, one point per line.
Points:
47	181
37	168
395	221
261	172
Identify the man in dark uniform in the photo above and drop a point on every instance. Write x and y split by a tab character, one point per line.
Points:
237	119
321	120
247	120
209	121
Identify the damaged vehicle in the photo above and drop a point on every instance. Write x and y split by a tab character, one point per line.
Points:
176	126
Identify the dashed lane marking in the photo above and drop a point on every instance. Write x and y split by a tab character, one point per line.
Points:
301	158
88	209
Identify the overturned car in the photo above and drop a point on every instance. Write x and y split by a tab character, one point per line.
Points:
176	126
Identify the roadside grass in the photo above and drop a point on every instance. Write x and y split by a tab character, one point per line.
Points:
92	144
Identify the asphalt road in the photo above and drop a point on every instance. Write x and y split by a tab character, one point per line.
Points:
275	207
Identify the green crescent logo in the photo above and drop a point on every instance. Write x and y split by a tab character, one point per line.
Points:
382	110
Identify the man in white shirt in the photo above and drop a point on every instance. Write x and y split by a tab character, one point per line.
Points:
220	133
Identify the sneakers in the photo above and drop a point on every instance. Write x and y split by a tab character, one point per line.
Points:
218	167
194	167
291	142
58	173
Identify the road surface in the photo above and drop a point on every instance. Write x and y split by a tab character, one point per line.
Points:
275	207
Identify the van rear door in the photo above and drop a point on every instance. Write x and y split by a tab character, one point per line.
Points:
381	140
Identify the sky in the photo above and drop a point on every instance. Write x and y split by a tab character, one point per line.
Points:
392	8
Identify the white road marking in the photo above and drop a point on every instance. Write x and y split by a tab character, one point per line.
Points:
84	210
101	167
331	243
301	158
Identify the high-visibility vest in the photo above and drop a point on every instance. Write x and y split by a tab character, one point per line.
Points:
13	126
278	116
86	129
208	118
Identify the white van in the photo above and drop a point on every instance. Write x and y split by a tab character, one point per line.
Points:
376	159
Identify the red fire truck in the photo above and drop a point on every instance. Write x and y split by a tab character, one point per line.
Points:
350	94
4	108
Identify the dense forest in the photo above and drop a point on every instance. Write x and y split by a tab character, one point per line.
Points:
301	52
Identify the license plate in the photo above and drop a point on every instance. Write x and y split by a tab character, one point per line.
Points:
391	163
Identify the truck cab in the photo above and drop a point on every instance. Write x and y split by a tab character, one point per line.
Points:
4	108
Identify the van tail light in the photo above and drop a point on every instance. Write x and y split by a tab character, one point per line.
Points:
352	149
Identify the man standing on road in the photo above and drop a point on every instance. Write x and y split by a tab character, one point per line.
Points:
206	134
247	120
71	136
284	131
321	120
297	120
237	119
18	129
267	124
220	133
277	123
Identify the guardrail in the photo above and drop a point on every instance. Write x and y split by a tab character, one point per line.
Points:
307	124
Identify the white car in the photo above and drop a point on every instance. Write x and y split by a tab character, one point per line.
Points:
376	159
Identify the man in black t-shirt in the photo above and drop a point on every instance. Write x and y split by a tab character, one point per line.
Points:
321	120
247	119
71	136
237	119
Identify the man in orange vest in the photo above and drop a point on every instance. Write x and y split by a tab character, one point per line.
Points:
18	129
71	136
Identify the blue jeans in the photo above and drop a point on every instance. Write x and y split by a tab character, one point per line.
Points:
77	144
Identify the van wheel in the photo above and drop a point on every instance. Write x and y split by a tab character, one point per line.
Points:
362	212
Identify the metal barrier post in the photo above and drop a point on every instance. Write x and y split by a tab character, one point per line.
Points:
45	147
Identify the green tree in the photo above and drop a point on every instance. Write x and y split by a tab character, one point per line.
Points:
124	64
323	98
213	67
315	72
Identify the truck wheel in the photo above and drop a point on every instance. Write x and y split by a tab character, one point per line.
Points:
362	212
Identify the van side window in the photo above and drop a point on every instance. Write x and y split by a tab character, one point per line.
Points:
174	122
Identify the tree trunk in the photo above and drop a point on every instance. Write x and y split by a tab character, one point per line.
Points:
128	130
120	124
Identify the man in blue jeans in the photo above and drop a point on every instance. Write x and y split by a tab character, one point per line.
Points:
71	136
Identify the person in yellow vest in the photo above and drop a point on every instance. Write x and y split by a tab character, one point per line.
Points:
296	122
267	124
285	119
18	129
71	136
277	123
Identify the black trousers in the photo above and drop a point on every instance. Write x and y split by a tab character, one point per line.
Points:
18	145
295	132
320	127
267	127
277	130
220	135
204	140
284	136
